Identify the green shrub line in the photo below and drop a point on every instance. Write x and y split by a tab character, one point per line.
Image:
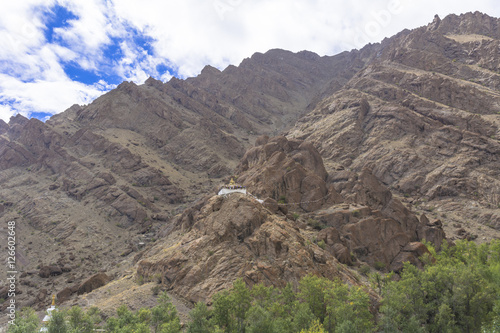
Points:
458	290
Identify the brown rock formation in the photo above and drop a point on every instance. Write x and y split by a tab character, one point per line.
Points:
48	271
288	171
424	116
93	282
231	237
410	253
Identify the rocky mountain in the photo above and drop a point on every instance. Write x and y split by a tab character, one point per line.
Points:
358	157
424	115
229	236
91	186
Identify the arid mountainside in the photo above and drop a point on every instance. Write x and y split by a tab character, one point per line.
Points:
424	115
90	187
358	158
229	236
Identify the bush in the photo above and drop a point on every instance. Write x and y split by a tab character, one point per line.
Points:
282	199
155	290
26	322
364	269
314	224
379	265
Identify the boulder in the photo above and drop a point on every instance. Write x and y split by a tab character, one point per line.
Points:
48	271
64	295
93	282
342	254
411	253
330	236
271	204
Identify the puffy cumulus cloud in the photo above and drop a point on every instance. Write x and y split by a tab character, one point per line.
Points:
54	53
6	111
20	27
32	74
92	27
44	96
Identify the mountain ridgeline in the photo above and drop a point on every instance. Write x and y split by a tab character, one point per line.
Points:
359	158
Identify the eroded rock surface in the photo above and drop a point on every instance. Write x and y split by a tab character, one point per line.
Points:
232	237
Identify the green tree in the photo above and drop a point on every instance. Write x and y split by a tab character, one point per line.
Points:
162	318
125	317
79	321
312	292
240	300
26	322
259	320
316	327
173	326
199	319
57	323
303	317
164	315
348	309
457	293
222	312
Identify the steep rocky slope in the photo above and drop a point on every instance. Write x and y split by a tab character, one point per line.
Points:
356	213
394	142
89	188
424	115
229	236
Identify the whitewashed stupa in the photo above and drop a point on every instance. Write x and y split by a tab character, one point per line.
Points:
48	316
232	187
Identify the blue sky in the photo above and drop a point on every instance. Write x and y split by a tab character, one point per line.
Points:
56	53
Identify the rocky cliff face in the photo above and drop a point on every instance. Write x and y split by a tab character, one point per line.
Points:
236	236
365	153
229	236
79	202
356	207
288	171
424	116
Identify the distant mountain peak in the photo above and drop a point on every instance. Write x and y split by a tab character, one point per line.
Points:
435	23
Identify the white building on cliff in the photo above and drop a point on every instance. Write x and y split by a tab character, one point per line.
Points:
232	188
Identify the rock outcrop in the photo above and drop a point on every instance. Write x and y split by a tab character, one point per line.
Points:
424	116
233	237
93	282
288	171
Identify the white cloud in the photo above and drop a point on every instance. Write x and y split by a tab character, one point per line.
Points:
186	34
6	112
219	32
20	28
32	78
44	95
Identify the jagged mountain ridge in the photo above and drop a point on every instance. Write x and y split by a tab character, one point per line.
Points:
91	185
226	109
425	115
101	180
